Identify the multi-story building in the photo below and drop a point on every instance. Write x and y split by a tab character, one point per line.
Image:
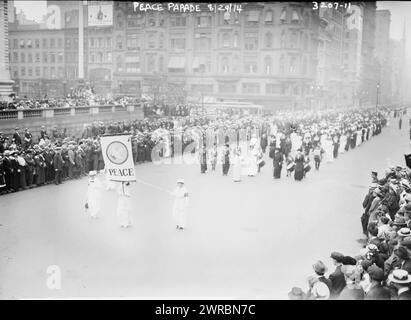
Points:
369	73
266	54
382	45
330	72
5	82
352	54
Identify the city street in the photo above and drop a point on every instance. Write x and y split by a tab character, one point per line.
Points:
250	240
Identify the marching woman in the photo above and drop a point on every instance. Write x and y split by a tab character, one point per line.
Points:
123	205
180	194
299	165
203	159
290	165
237	163
336	146
226	159
212	156
278	160
93	196
252	161
317	156
307	166
343	142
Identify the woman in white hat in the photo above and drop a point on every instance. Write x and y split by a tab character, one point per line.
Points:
93	196
180	194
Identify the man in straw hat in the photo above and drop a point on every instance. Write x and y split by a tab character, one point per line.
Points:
180	194
401	280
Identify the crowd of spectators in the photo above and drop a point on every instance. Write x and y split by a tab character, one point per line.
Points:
382	268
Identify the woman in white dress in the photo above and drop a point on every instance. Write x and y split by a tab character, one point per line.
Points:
237	163
93	196
253	161
328	147
359	133
343	142
123	205
180	205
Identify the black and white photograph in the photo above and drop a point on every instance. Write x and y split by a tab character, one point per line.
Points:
205	151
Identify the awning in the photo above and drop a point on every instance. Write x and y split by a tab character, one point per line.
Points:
176	63
253	16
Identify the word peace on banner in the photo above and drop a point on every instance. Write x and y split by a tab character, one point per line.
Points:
118	158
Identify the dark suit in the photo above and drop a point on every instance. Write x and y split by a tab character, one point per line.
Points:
337	282
58	167
17	138
378	292
406	295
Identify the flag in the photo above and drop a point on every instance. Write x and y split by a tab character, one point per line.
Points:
118	158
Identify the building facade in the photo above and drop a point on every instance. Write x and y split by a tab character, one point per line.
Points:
5	82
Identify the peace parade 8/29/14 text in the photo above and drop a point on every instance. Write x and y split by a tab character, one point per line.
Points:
214	309
187	7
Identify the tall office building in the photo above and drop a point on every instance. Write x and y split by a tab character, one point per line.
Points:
382	44
5	82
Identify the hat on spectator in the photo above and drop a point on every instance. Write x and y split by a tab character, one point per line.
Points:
404	232
399	221
366	264
347	260
296	294
319	267
401	252
400	276
337	256
375	273
180	181
406	243
92	173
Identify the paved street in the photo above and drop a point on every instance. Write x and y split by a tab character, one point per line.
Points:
233	248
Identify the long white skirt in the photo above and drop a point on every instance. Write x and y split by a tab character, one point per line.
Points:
179	212
237	171
94	203
123	211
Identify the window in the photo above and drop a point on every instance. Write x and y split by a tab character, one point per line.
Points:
59	43
22	57
268	65
203	21
235	41
268	17
45	72
151	41
29	57
23	71
15	74
225	66
226	40
305	42
251	88
52	57
151	22
119	64
109	57
178	44
283	17
282	64
132	41
151	63
108	42
100	43
92	57
304	68
227	88
15	57
68	43
60	57
293	64
30	71
15	43
53	72
100	57
161	64
91	42
161	40
37	43
44	44
293	39
37	72
22	43
119	21
202	41
133	64
271	88
251	41
119	42
45	57
269	40
253	17
283	37
52	43
177	21
202	88
60	73
295	18
250	67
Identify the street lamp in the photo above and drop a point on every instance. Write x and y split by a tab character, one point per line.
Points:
378	91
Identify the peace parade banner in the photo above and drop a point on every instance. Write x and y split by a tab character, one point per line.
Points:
118	157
